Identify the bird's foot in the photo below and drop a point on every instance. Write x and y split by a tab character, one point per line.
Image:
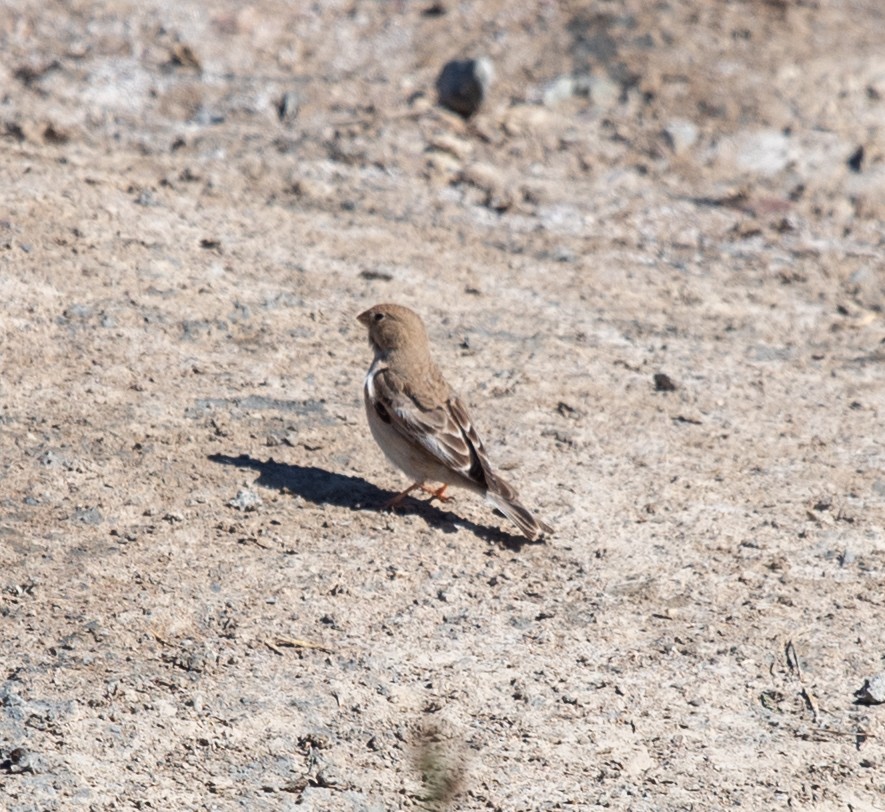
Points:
392	504
438	493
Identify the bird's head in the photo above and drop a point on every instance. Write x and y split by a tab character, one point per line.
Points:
393	328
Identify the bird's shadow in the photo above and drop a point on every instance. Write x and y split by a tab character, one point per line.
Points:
320	486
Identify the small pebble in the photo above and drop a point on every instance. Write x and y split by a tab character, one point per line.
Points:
463	84
873	691
664	383
246	501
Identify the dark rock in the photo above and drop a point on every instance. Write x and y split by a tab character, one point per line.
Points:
664	383
288	106
463	84
872	692
855	161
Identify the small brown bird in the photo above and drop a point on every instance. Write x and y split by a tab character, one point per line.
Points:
420	423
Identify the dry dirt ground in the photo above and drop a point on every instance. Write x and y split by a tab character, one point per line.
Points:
202	607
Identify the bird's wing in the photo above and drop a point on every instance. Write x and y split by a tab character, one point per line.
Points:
441	427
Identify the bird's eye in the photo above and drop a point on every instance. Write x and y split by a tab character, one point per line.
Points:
378	316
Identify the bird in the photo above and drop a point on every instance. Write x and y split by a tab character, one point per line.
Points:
421	425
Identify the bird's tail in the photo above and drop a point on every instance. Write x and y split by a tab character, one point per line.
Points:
503	497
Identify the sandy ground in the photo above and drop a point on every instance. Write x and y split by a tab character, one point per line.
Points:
202	606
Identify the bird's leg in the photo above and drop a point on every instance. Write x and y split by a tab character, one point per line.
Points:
439	493
395	502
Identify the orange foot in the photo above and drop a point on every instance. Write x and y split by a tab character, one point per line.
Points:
439	493
395	502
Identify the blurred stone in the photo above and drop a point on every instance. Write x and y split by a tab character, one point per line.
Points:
663	382
866	190
311	190
442	168
681	135
463	84
246	501
872	692
459	148
90	516
55	135
765	152
867	288
182	55
288	106
855	160
19	760
524	119
500	194
604	93
559	90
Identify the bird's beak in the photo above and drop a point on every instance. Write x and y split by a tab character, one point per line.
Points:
363	318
